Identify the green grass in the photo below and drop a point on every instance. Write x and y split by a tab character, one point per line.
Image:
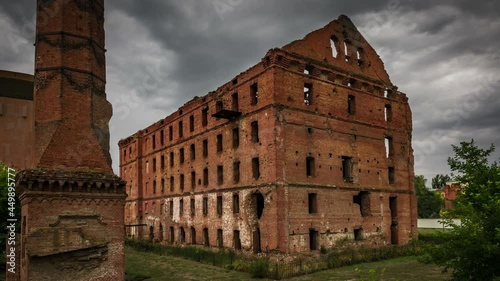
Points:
140	264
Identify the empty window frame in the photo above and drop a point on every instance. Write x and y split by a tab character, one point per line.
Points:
255	168
154	164
193	235
220	174
205	148
388	113
162	185
254	93
255	131
192	151
236	137
206	241
154	141
219	206
359	56
312	202
310	168
181	129
181	156
236	171
172	183
236	203
170	133
162	162
363	200
205	177
313	239
333	46
236	240
219	143
308	69
204	116
346	51
358	234
182	235
351	104
154	186
389	147
191	123
193	180
347	168
171	208
390	172
205	206
192	206
219	105
181	207
171	159
162	138
220	242
307	94
235	102
181	182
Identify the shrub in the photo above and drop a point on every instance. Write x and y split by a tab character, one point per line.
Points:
259	268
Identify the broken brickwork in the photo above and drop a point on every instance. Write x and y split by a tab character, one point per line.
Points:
72	203
310	146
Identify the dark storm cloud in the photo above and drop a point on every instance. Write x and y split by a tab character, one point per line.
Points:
162	53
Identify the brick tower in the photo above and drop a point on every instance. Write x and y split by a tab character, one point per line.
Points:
72	203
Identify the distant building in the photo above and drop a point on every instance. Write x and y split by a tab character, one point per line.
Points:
309	146
16	119
451	191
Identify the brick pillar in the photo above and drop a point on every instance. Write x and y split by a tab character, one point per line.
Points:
72	203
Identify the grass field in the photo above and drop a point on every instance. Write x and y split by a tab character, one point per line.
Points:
155	267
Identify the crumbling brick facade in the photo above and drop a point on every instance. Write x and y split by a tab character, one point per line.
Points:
72	203
310	146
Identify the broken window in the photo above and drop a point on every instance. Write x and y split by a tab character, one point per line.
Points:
312	199
162	162
219	143
193	180
333	46
219	206
193	236
313	239
171	159
171	234
182	235
205	176
234	99
181	182
347	168
206	241
359	56
236	203
236	240
181	207
351	105
218	106
308	69
259	204
388	113
192	206
255	131
363	200
191	123
236	171
181	130
236	137
391	175
307	93
388	147
254	93
220	174
255	168
346	51
205	148
204	116
170	133
358	234
162	185
310	169
205	206
171	183
181	155
220	242
192	151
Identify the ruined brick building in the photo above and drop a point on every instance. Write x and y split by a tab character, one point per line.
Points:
309	146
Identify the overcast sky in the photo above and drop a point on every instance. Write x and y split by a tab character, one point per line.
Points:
443	54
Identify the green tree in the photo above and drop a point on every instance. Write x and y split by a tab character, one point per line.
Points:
472	249
439	181
428	203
